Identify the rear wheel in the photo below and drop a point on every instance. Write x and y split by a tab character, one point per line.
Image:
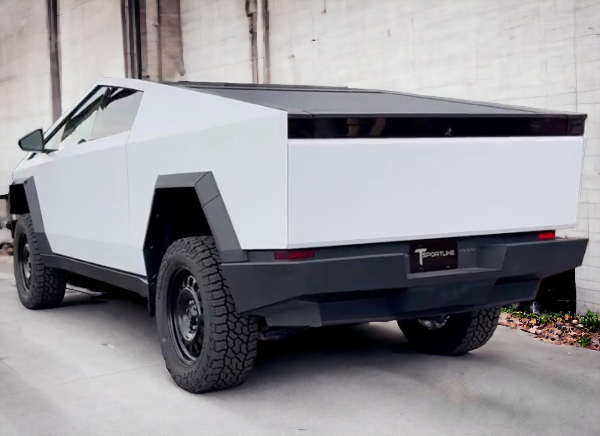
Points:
206	345
38	286
452	334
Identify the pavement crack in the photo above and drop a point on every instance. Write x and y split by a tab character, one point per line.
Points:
2	361
106	375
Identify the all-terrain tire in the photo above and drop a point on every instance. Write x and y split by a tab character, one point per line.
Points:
38	286
229	340
461	333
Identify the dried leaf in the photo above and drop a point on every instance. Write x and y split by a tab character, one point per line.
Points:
552	330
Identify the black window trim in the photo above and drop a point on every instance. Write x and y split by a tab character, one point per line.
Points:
52	131
55	129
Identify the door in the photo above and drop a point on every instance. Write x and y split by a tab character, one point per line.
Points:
83	185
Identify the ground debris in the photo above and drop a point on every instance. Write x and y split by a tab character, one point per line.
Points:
555	328
6	249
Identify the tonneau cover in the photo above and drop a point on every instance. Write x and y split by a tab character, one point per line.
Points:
329	101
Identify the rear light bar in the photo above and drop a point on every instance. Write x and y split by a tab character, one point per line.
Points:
294	255
546	236
310	254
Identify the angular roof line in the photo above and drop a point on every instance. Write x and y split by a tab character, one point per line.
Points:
357	100
264	86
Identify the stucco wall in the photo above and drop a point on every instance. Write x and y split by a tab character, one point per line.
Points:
25	94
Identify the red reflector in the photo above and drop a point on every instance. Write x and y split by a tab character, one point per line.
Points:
547	235
294	255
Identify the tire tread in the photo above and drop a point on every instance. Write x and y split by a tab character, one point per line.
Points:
481	328
47	288
230	351
462	333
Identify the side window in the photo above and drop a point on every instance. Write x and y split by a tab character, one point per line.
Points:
78	127
117	112
77	122
52	142
105	112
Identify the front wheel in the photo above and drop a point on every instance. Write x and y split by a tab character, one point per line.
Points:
454	334
38	286
206	345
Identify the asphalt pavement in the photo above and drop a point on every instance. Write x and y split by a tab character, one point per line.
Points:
93	367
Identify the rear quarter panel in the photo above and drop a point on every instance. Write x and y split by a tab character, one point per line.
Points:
245	146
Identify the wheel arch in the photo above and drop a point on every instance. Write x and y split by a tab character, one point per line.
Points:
183	205
23	199
17	199
16	204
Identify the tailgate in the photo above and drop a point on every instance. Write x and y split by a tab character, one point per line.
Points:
351	191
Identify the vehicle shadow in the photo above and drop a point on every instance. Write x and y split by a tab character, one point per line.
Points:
349	365
85	297
339	351
365	338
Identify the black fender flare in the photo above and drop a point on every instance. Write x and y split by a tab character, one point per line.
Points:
215	213
214	209
23	199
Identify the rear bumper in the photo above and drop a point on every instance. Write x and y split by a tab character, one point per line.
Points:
369	283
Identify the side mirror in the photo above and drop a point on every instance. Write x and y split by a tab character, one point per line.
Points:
33	141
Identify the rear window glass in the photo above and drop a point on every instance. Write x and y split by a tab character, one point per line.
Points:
432	127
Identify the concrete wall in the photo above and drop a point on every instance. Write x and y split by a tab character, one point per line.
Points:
91	46
216	41
91	41
541	53
587	55
506	51
25	94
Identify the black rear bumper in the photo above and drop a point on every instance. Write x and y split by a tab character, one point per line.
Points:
374	282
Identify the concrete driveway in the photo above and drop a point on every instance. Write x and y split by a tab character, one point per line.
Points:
93	367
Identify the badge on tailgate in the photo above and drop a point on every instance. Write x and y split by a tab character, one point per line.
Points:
433	255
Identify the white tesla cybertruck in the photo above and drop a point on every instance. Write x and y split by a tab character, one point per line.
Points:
247	211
